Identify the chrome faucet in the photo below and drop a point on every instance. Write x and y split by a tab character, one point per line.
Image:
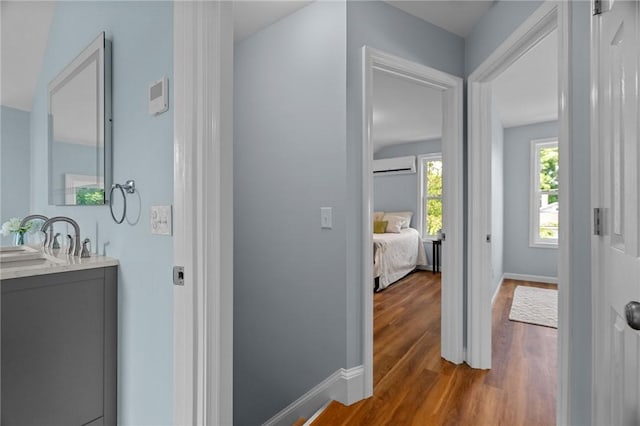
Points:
75	249
31	217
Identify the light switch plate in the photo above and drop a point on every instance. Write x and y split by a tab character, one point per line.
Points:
161	220
325	218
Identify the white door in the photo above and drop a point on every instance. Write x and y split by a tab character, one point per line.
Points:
617	252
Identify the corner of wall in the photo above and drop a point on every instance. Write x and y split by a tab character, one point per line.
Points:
345	386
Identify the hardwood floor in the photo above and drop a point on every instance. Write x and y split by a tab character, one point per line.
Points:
414	386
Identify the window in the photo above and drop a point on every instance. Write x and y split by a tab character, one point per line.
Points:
83	190
430	196
544	205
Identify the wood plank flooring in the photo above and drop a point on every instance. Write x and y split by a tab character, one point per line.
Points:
414	386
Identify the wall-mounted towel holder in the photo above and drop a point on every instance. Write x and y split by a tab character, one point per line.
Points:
129	187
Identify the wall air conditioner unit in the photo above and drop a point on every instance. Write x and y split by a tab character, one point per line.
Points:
394	166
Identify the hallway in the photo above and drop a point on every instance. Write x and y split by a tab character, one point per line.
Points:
413	385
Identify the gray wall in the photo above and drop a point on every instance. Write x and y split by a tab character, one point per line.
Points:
519	258
15	179
494	27
580	204
498	23
400	192
142	36
497	199
384	27
289	160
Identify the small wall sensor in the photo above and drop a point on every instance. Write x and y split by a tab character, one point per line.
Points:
159	96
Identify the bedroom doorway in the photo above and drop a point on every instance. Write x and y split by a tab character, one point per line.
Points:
408	161
548	24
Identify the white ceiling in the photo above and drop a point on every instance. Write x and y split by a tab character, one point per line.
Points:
527	91
404	111
25	29
249	17
75	108
456	16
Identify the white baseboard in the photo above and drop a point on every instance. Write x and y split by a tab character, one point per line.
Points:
533	278
495	293
345	386
425	267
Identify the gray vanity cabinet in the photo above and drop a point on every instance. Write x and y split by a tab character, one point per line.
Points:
59	336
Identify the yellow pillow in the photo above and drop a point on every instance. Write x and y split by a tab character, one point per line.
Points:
379	226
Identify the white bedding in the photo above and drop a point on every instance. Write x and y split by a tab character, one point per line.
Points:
395	255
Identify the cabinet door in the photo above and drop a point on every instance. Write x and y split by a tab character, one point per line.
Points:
53	350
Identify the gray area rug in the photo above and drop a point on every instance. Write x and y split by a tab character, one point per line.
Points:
535	306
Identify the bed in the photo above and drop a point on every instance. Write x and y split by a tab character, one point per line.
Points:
395	255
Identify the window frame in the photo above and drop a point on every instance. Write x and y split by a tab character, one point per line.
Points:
534	189
422	195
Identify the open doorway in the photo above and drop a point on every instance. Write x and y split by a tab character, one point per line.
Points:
525	206
426	156
408	221
543	154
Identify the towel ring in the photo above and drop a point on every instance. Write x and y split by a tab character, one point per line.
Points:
129	187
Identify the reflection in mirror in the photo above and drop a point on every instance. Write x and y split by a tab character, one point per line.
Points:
80	129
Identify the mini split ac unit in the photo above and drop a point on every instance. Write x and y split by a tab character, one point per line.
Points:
394	166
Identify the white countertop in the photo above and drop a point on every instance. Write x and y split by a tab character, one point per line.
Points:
54	262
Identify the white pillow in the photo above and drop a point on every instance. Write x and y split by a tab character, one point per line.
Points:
405	215
378	216
394	223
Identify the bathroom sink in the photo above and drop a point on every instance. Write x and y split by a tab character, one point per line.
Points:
23	256
13	249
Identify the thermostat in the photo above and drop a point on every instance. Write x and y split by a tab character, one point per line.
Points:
159	96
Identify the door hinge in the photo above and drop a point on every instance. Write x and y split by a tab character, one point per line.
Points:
178	275
597	7
597	221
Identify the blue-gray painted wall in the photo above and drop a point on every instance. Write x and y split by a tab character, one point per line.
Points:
142	36
15	172
580	201
321	170
289	161
493	28
497	199
400	192
381	26
519	258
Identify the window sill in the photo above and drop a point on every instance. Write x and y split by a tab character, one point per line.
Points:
553	245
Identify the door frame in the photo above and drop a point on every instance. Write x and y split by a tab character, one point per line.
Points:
452	155
599	413
549	16
203	212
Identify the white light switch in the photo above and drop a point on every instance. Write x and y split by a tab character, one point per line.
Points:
161	220
325	217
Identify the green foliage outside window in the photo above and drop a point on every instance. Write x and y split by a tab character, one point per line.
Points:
433	200
89	196
549	165
549	171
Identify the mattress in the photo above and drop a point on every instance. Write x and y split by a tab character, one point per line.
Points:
396	255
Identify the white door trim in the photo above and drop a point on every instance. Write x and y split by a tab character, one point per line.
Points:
600	317
452	154
203	212
550	15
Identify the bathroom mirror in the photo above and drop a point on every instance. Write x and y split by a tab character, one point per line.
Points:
80	128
